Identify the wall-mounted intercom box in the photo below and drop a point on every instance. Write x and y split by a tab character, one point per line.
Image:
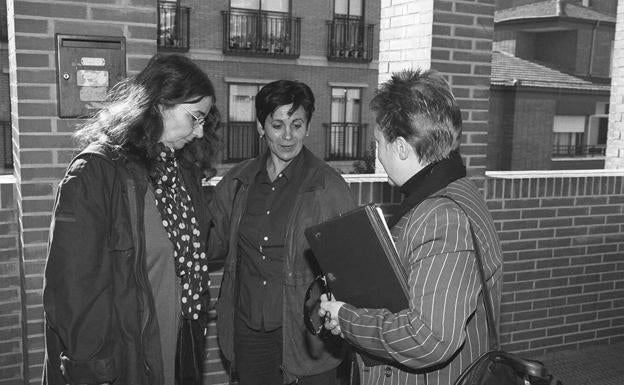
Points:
88	66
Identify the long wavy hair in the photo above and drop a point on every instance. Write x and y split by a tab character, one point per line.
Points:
131	123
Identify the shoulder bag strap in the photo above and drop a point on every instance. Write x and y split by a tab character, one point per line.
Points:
489	311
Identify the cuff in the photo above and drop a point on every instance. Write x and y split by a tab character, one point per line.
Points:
345	315
88	372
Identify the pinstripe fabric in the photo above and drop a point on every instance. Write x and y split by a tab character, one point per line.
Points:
445	327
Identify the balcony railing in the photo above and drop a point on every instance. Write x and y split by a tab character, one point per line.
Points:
578	150
349	40
7	144
344	141
261	34
242	141
173	27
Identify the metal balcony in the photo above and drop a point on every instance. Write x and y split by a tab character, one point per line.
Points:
251	33
344	141
349	40
572	151
242	141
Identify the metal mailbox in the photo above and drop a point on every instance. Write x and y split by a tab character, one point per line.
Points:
87	67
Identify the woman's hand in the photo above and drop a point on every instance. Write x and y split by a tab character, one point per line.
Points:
330	309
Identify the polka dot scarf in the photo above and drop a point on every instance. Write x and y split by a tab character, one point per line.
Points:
178	218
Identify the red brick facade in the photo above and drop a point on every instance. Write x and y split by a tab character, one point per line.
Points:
563	283
11	295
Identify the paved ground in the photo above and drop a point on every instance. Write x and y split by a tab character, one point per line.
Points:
596	365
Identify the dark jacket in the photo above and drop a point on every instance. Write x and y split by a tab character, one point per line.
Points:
323	194
100	321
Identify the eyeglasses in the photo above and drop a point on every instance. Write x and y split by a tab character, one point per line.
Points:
312	302
196	120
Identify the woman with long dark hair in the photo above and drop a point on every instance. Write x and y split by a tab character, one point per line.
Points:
126	279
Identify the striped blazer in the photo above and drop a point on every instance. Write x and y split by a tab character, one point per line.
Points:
445	327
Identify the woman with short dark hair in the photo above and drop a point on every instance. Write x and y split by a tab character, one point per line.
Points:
126	279
261	209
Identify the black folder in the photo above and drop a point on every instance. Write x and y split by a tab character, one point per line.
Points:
356	253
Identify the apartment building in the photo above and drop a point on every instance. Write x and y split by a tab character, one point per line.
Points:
243	44
550	84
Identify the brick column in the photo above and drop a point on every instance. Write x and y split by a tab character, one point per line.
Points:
615	138
42	142
11	328
455	38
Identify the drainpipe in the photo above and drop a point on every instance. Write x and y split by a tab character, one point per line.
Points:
592	48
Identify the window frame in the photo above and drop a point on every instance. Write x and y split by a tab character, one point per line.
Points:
331	107
260	10
348	14
228	158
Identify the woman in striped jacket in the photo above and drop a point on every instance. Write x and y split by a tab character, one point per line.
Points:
445	328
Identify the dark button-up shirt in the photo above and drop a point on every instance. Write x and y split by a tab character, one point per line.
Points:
261	246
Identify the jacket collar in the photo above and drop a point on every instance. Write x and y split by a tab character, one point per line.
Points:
427	181
311	165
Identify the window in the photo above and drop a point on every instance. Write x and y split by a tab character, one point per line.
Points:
346	132
568	135
262	5
173	26
348	8
242	140
597	129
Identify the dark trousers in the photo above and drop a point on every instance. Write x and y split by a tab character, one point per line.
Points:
259	357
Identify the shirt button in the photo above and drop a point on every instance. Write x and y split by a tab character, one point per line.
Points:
264	283
272	188
280	175
268	212
263	257
266	238
388	371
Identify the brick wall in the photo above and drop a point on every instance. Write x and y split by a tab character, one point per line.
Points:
43	144
405	31
562	237
533	119
11	328
462	50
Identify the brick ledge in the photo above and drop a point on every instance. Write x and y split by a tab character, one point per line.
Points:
7	179
552	174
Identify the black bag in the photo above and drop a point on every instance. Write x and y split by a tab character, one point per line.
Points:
497	367
190	352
